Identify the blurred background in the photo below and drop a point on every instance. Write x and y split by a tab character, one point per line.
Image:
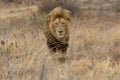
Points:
101	6
94	51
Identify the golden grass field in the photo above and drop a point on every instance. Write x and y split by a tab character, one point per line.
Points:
93	53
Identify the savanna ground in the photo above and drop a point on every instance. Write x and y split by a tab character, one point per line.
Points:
93	53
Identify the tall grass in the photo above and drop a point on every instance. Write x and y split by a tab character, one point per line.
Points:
93	53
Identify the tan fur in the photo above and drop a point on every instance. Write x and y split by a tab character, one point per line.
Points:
62	18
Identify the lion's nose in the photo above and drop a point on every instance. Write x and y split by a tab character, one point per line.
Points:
60	32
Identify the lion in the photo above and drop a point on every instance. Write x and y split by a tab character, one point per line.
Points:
57	31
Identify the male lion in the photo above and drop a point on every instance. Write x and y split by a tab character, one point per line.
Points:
57	31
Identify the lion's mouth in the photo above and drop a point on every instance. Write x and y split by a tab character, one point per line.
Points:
60	35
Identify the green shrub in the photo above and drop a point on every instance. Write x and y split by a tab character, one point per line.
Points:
41	19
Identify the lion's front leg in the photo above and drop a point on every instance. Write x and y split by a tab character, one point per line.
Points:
61	56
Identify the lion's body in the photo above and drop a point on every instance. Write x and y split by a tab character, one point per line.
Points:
54	44
57	35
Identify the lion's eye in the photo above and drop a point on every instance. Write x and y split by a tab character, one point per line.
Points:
56	23
63	23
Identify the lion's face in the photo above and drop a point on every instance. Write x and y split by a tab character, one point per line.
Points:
59	27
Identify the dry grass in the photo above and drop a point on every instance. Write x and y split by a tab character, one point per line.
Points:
93	54
18	12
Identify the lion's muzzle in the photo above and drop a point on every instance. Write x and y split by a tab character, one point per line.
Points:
60	34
